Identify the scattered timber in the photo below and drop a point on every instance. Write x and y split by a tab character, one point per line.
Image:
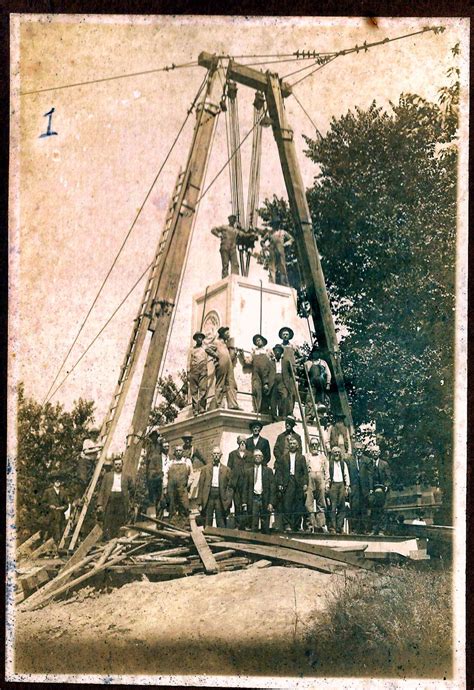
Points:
205	553
26	548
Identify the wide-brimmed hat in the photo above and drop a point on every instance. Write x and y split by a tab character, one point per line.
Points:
278	346
291	419
259	335
232	215
57	475
186	435
255	422
286	328
222	330
198	334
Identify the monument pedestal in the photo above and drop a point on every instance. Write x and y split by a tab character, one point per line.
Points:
241	304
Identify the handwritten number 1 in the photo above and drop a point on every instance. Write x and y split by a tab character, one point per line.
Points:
49	132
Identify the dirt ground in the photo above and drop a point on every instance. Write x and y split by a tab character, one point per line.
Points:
244	622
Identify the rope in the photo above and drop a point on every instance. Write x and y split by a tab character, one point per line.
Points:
320	136
254	177
168	68
103	328
227	162
298	81
48	396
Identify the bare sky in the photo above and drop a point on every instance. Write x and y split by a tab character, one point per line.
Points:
75	195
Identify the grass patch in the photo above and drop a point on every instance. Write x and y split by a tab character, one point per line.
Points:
398	624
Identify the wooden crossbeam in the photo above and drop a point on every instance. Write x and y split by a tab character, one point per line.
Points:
280	553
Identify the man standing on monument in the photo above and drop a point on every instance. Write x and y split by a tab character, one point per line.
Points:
261	364
228	236
286	334
222	352
197	374
276	239
280	384
215	491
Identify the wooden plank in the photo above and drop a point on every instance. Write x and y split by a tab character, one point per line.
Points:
288	543
163	523
44	548
162	569
166	533
205	553
279	553
85	546
262	563
26	547
178	551
33	580
83	578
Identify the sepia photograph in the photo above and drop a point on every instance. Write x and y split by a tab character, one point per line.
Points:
237	351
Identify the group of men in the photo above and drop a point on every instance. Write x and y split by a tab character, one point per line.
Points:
313	491
273	241
273	374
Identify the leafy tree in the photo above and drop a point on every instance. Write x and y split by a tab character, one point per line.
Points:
49	438
383	206
173	398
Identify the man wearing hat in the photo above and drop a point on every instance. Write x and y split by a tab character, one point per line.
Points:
55	503
260	362
380	486
197	374
286	334
222	353
280	384
276	240
360	474
257	442
177	481
339	434
191	452
282	442
113	500
228	235
237	462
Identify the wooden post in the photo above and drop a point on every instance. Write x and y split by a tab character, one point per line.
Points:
167	290
308	256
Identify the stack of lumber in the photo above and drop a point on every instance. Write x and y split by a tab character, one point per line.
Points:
158	550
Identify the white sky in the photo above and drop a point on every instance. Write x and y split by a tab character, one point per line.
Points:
76	194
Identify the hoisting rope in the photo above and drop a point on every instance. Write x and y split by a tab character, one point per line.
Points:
237	187
255	162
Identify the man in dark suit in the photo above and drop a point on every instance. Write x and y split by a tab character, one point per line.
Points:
215	491
279	384
55	503
282	442
259	492
154	468
380	487
291	478
360	475
339	487
114	500
236	463
257	442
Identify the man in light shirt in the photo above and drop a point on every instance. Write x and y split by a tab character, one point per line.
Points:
176	480
215	490
318	477
197	374
113	500
259	493
339	487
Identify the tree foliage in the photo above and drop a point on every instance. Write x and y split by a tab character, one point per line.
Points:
49	438
383	206
173	398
